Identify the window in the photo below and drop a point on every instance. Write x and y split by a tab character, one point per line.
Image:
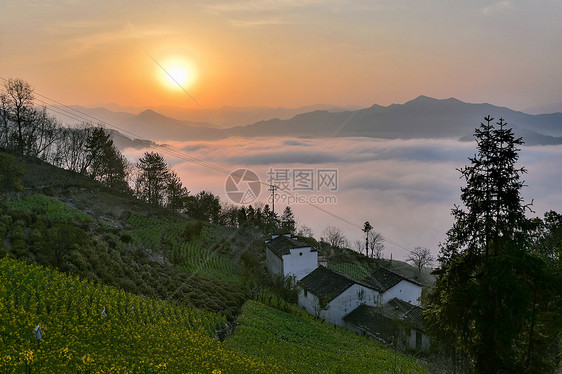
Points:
305	293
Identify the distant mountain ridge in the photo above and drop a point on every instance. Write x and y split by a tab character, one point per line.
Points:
422	117
227	116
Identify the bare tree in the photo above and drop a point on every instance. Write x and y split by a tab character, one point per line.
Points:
70	150
335	237
17	103
305	231
43	134
420	257
26	129
376	244
5	116
358	245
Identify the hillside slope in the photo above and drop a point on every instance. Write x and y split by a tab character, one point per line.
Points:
70	222
306	345
88	327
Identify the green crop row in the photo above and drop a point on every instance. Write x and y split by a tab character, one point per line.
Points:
303	344
87	327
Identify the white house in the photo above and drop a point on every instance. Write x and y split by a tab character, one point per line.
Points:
393	285
382	305
289	256
331	295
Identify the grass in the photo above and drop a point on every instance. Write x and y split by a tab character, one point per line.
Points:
140	334
301	344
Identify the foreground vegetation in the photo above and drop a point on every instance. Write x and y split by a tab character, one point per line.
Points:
88	327
94	328
302	344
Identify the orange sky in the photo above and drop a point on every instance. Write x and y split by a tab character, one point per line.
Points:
285	53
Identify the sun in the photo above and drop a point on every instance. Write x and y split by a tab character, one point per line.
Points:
176	73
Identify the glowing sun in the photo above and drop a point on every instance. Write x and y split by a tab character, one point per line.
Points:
176	73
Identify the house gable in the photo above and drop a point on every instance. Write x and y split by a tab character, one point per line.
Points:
404	290
326	284
331	295
391	285
281	245
290	257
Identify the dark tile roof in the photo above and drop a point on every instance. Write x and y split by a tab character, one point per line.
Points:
415	317
282	245
365	317
400	305
326	283
384	279
370	318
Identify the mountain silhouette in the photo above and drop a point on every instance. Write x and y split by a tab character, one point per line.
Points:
422	117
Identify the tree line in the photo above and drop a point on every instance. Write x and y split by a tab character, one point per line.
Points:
88	149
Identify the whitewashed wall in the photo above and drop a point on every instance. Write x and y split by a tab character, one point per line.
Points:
405	291
309	302
274	263
342	305
300	262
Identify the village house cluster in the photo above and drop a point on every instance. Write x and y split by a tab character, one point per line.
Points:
385	305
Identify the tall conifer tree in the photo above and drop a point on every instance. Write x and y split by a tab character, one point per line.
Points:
482	294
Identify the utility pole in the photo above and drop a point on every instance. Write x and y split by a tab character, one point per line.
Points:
272	188
366	229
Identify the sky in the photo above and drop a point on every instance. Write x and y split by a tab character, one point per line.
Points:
285	53
292	53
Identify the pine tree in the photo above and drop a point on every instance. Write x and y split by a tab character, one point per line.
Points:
105	163
288	223
152	179
482	293
176	193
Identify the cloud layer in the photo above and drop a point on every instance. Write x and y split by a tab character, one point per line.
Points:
404	188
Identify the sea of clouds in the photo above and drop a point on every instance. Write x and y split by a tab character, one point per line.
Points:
404	188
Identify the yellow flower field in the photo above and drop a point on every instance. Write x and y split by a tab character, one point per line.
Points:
92	328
